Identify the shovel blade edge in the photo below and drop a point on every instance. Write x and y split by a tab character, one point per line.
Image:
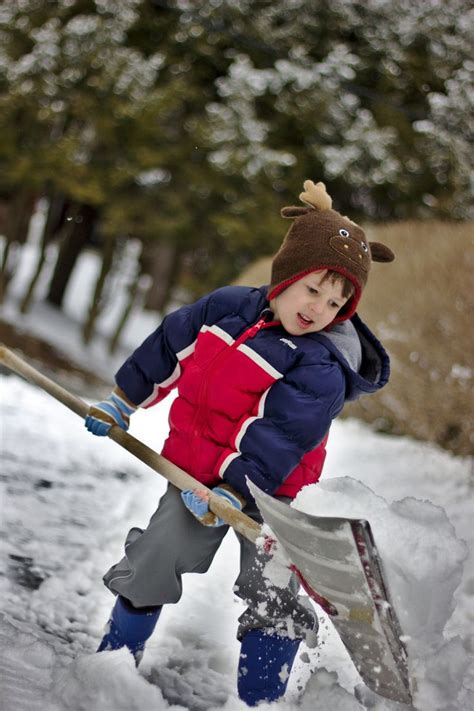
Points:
338	566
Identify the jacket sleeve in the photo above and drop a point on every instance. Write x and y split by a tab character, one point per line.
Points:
155	367
293	417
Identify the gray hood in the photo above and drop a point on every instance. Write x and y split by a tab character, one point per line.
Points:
346	339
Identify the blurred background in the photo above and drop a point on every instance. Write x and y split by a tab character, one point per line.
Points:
147	147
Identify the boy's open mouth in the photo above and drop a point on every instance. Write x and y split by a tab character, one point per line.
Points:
304	321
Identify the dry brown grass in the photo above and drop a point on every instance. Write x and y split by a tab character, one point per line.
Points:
421	307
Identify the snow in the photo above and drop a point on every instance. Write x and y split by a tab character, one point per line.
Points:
423	560
68	499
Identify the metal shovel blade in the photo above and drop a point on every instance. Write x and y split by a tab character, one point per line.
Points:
337	563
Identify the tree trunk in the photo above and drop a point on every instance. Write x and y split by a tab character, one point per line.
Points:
5	275
95	307
19	212
28	295
77	234
53	222
135	290
161	261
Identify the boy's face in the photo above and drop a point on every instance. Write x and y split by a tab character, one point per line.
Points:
309	304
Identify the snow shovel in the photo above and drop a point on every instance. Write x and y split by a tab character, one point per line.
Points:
335	559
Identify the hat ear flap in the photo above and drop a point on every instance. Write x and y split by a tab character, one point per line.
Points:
294	211
381	253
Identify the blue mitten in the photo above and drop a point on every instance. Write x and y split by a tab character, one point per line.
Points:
198	504
115	410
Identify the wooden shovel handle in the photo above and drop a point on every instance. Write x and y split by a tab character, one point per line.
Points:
218	505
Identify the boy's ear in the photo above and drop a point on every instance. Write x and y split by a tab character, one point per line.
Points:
295	211
381	253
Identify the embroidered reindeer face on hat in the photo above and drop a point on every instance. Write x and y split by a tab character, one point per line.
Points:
321	238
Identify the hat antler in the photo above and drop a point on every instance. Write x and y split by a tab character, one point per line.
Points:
316	196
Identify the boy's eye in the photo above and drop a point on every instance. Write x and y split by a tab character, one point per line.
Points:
311	290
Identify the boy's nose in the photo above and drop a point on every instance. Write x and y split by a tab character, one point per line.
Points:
317	307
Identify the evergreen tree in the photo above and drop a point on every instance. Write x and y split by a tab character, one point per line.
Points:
187	125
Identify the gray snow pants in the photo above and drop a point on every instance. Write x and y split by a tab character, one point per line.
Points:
175	543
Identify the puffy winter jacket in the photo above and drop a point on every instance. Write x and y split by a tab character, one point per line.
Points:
253	401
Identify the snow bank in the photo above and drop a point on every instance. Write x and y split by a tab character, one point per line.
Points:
423	563
106	682
67	501
26	665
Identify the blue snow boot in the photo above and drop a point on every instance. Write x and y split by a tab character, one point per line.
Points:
264	666
129	627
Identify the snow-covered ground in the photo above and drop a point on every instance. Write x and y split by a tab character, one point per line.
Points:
67	500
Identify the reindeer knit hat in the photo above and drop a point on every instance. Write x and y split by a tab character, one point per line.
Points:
321	238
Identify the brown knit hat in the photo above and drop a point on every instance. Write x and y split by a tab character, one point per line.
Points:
321	238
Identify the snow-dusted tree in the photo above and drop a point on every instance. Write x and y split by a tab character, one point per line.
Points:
190	123
375	97
73	87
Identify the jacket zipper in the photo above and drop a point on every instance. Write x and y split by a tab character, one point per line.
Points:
225	353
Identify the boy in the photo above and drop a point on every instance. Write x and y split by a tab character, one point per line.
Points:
261	373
